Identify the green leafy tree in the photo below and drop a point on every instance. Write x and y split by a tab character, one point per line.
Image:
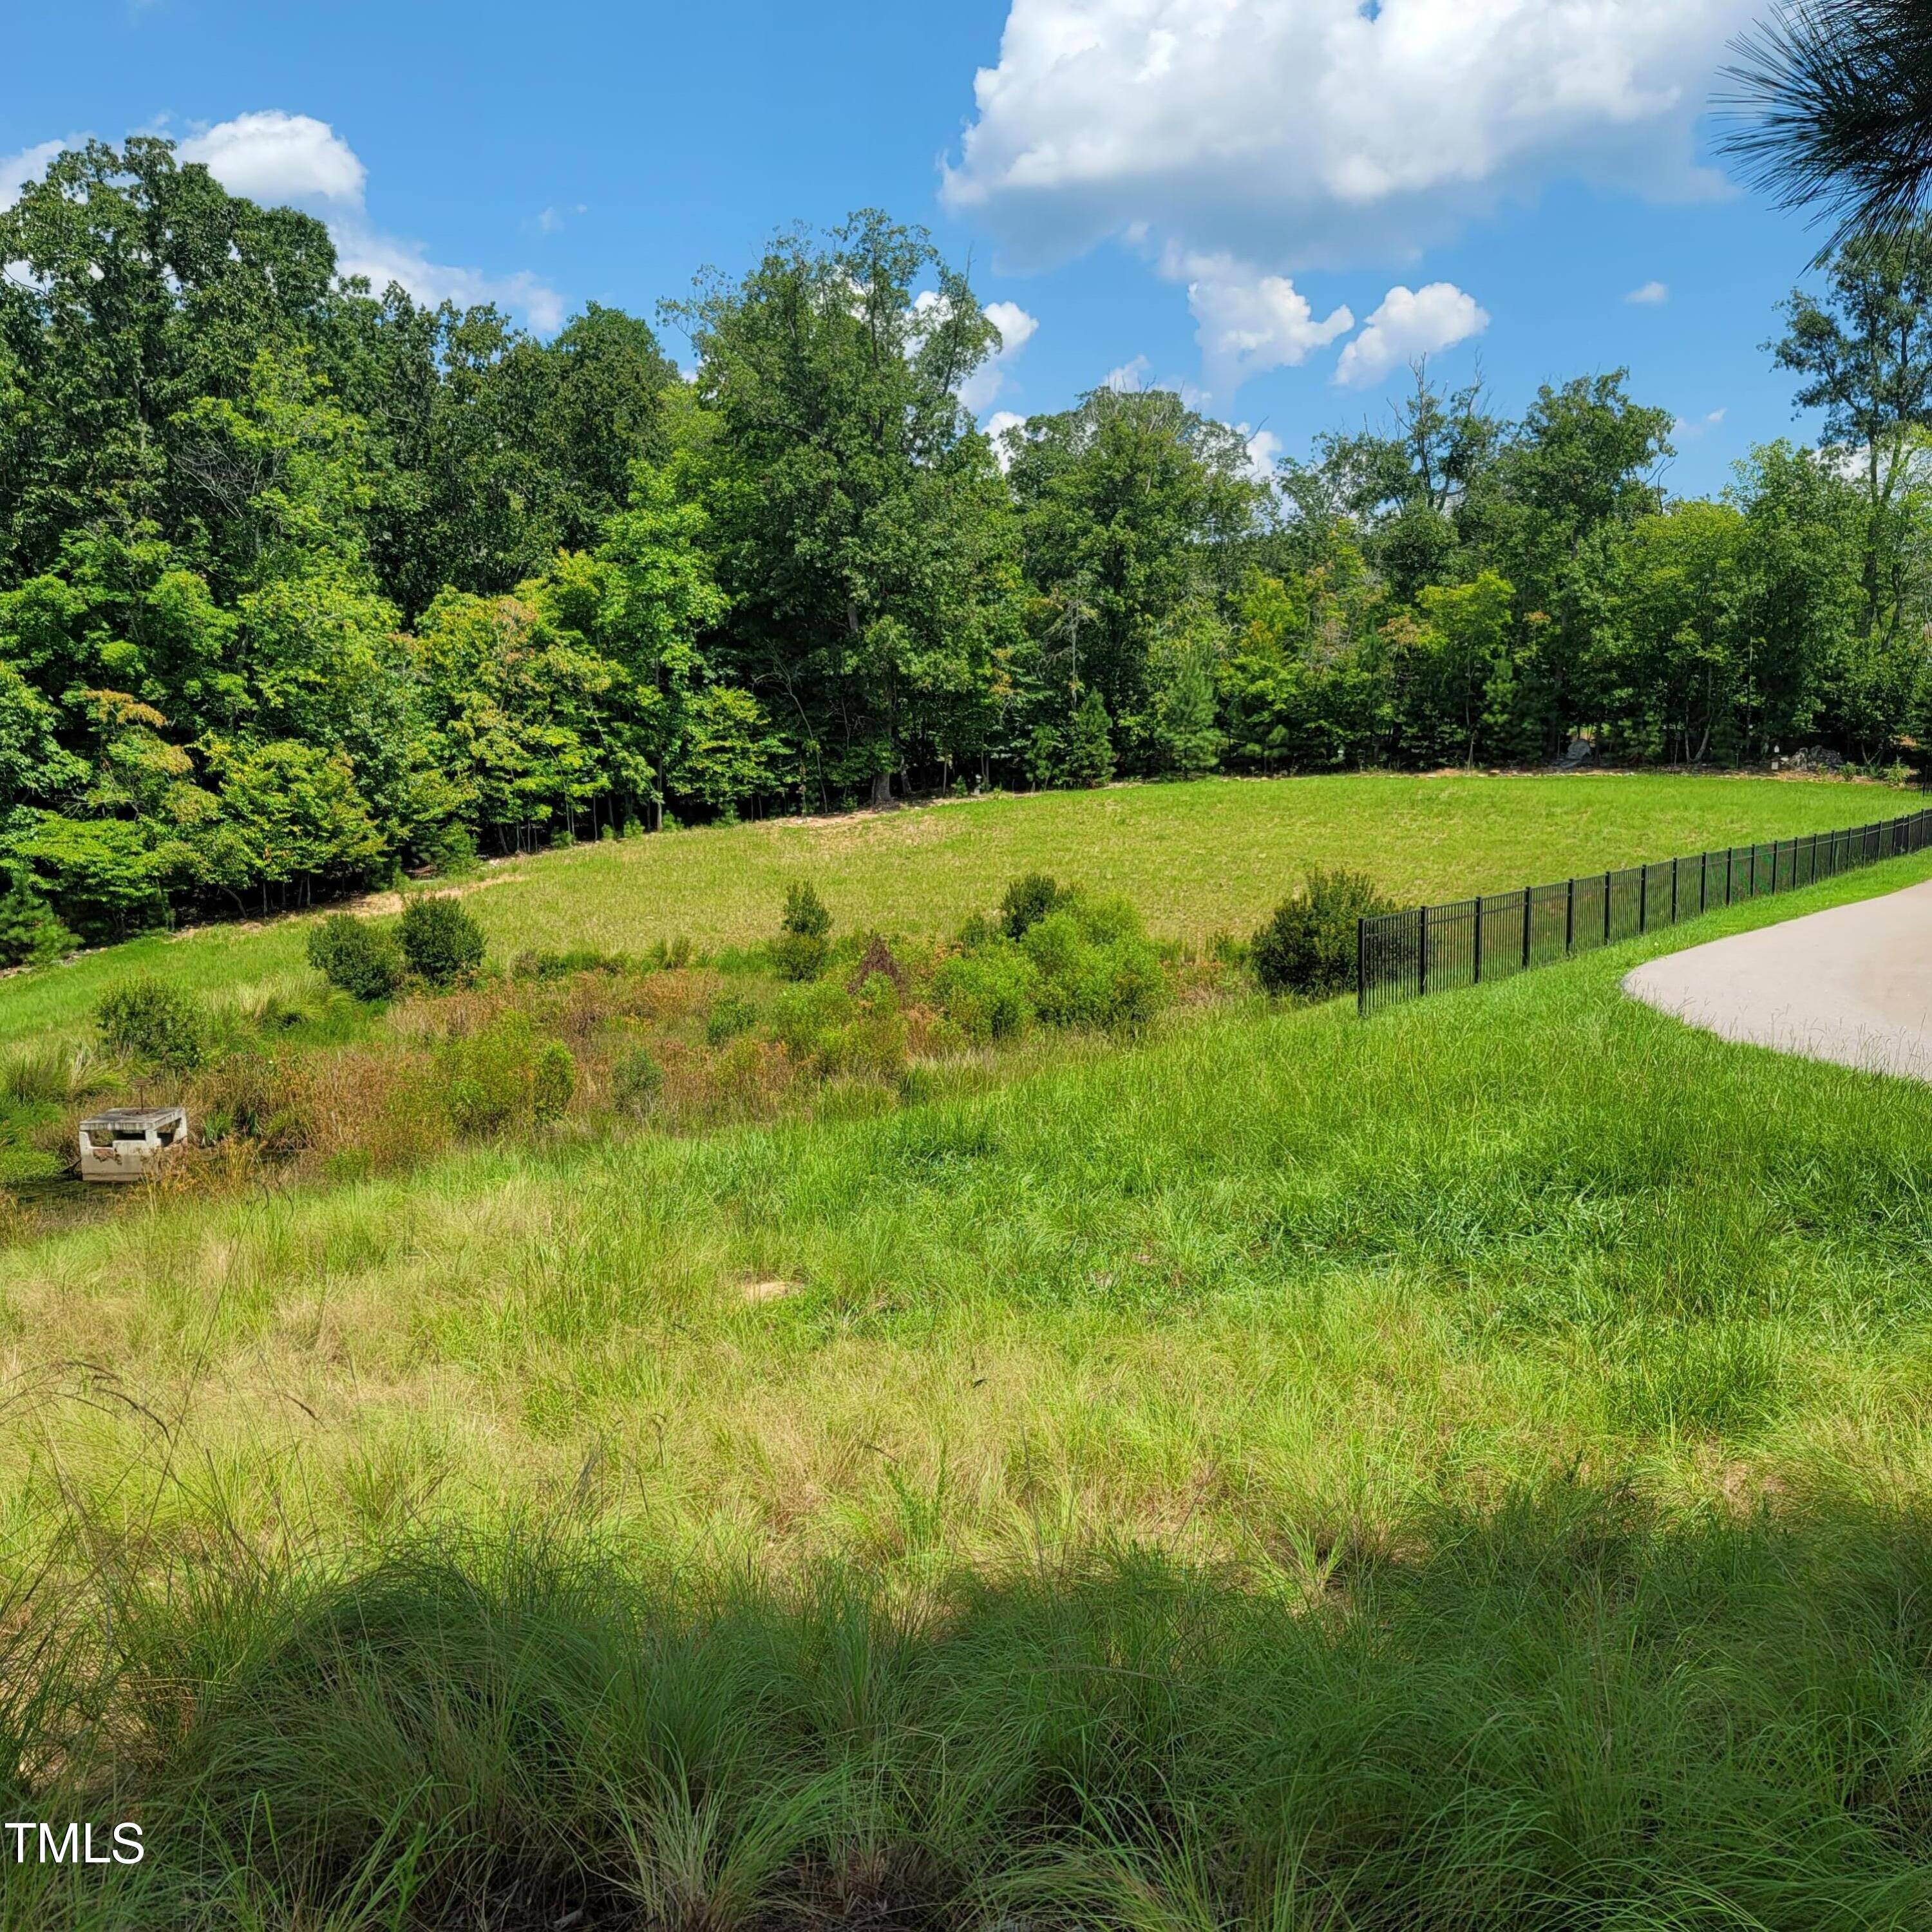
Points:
1801	599
1582	465
1130	505
1862	352
1309	685
1416	492
860	526
1671	657
1459	670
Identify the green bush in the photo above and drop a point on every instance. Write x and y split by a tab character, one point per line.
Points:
804	1018
730	1015
442	943
553	1081
800	950
988	993
31	933
805	912
1095	967
503	1076
449	851
357	956
636	1081
1027	900
1307	949
157	1025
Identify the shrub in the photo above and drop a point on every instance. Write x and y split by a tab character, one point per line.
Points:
553	1081
357	956
803	1020
1095	967
1307	950
731	1014
636	1081
31	933
1074	980
1027	900
805	911
503	1076
442	943
157	1024
987	993
799	951
449	851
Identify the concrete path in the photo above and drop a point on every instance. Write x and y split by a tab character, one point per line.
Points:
1852	984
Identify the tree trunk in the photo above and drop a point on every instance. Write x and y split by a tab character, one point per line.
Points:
882	788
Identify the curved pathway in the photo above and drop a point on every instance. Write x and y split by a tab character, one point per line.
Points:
1853	984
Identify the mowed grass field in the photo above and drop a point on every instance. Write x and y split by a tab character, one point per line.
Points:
1211	856
1470	1467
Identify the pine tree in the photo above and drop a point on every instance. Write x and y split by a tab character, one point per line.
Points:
1089	757
30	934
1184	725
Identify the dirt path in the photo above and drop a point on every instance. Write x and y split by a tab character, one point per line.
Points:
1853	985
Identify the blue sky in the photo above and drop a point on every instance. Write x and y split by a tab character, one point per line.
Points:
1188	191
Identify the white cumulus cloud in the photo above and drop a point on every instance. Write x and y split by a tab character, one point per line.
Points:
1408	323
1016	326
274	157
28	165
1249	323
1295	131
1648	295
1130	377
1683	430
1017	329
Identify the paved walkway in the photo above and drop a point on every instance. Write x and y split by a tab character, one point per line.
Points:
1852	984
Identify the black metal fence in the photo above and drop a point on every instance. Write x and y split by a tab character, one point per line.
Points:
1402	955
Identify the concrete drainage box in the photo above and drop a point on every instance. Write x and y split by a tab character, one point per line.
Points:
130	1143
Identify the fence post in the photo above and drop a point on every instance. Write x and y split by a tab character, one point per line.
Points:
1361	965
1525	928
1674	865
1422	949
1570	918
1643	898
1606	908
1730	852
1479	939
1703	880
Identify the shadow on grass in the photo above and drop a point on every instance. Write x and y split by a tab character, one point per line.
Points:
1566	1713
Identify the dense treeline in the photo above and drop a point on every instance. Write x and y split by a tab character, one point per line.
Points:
299	582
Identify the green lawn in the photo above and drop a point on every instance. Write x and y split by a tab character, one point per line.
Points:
1197	859
1466	1467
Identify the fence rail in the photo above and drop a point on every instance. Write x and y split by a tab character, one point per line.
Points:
1430	949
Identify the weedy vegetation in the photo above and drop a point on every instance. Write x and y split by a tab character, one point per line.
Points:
1020	1427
